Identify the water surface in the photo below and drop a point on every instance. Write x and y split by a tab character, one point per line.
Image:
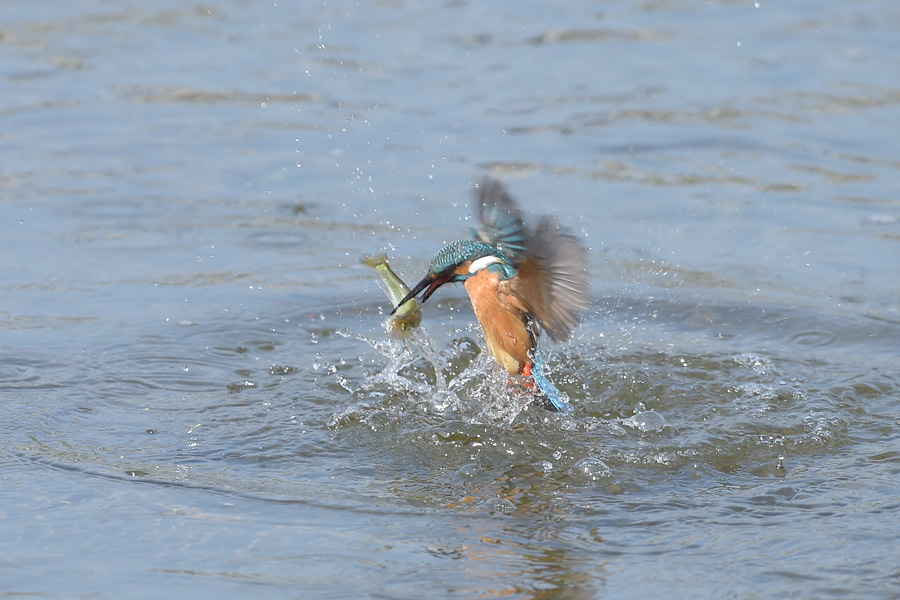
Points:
199	396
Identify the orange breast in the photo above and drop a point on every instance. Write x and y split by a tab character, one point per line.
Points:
503	324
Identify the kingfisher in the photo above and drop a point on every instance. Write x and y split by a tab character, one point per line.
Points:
520	281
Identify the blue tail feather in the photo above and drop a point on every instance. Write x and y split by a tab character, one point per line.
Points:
539	372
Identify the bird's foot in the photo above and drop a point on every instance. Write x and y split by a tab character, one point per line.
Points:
528	376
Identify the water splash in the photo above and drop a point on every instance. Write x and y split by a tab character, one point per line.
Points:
419	376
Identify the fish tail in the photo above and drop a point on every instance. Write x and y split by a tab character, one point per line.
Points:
375	261
550	391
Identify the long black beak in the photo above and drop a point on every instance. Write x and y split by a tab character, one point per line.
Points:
430	281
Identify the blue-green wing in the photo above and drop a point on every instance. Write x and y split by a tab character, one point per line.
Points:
500	221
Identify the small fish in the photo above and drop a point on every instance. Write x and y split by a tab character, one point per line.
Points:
407	316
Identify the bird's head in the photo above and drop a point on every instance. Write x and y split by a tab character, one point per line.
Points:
457	261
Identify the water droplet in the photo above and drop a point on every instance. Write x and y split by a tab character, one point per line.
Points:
498	505
648	420
544	466
590	468
470	470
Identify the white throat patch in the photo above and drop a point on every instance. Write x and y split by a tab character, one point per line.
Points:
482	262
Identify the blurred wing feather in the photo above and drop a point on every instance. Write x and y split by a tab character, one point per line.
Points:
500	221
552	282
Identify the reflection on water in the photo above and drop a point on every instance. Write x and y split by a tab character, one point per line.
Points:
198	391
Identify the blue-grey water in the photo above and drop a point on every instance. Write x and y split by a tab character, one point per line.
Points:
199	398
